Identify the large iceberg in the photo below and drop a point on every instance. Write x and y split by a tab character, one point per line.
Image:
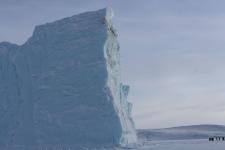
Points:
63	88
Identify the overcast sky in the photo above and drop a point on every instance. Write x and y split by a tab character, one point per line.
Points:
173	52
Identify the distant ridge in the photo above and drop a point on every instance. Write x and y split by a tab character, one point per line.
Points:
182	132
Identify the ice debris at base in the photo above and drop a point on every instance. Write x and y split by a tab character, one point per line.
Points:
63	87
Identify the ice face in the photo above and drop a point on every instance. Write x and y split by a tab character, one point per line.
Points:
65	86
9	93
118	90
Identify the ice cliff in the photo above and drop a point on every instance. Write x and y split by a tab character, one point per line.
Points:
63	88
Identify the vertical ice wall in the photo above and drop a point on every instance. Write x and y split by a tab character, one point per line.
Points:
10	101
66	86
118	90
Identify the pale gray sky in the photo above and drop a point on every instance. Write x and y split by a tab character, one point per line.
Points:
172	52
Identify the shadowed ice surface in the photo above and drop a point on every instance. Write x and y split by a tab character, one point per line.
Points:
62	88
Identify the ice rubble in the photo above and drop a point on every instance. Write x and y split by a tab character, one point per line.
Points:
63	86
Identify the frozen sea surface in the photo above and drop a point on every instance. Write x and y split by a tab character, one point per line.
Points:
183	145
154	145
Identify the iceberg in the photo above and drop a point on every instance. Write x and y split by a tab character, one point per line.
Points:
63	88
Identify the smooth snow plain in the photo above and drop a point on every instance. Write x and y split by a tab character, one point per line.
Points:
193	137
183	145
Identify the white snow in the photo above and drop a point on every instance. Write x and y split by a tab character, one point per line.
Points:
182	133
182	138
183	145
